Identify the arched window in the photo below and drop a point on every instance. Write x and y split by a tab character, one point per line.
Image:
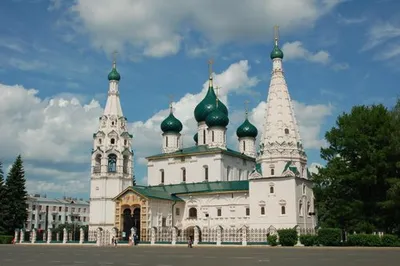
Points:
244	145
125	142
126	164
99	141
205	172
204	137
262	210
271	189
300	208
308	208
112	163
112	141
166	141
97	164
283	210
193	213
286	131
212	135
304	189
183	174
272	171
162	176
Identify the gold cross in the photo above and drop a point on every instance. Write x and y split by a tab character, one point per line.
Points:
171	99
210	63
114	55
217	88
246	103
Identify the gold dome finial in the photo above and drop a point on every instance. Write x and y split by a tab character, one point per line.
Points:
210	63
276	34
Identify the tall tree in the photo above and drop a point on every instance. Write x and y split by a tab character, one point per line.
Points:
16	195
353	187
2	198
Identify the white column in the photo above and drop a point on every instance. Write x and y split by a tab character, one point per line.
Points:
244	236
22	236
33	240
65	235
81	235
153	236
49	236
16	234
219	236
98	237
174	234
196	236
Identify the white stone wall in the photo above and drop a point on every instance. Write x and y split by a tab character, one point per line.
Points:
171	142
247	146
283	193
202	133
217	137
217	164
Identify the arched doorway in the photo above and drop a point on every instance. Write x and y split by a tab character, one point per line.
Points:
127	223
190	232
136	221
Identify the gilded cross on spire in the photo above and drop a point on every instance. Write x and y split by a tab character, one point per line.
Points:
246	105
276	34
171	99
210	63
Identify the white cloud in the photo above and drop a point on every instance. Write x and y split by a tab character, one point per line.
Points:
350	21
157	28
295	50
340	66
379	34
390	51
314	168
25	65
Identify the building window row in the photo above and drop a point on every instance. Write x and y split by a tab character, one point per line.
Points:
263	211
301	209
57	208
183	174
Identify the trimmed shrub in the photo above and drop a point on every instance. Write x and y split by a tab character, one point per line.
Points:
308	240
364	240
287	237
272	240
6	239
329	236
390	241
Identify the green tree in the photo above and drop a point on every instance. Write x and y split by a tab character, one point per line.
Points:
2	198
16	195
361	160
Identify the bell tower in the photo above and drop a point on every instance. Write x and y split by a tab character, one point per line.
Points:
112	158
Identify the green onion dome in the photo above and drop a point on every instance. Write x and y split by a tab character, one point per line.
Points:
196	137
276	52
217	119
208	105
171	124
114	75
246	129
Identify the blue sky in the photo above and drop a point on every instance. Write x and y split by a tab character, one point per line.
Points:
55	57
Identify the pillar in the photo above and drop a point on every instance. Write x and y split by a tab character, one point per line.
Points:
153	236
58	236
33	240
49	236
44	236
16	234
244	236
81	235
65	235
98	237
196	236
219	235
113	235
22	236
174	234
298	236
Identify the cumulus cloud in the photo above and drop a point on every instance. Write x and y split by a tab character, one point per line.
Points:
380	33
295	50
157	28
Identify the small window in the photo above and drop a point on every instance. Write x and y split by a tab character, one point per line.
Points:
112	141
300	208
286	131
193	213
262	210
219	212
308	208
164	222
212	136
99	141
204	137
244	145
271	190
304	189
166	141
272	171
283	210
177	211
112	123
162	176
183	174
247	211
125	142
206	173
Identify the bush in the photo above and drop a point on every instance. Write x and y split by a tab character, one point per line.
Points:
6	239
272	240
287	237
364	240
308	240
390	241
329	236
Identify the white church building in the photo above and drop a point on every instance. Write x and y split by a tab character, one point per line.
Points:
208	185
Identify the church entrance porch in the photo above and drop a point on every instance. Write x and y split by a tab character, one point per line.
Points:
131	222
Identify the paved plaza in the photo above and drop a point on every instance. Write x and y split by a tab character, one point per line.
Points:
43	255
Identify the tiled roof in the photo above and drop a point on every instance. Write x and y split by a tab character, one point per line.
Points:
172	192
200	149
